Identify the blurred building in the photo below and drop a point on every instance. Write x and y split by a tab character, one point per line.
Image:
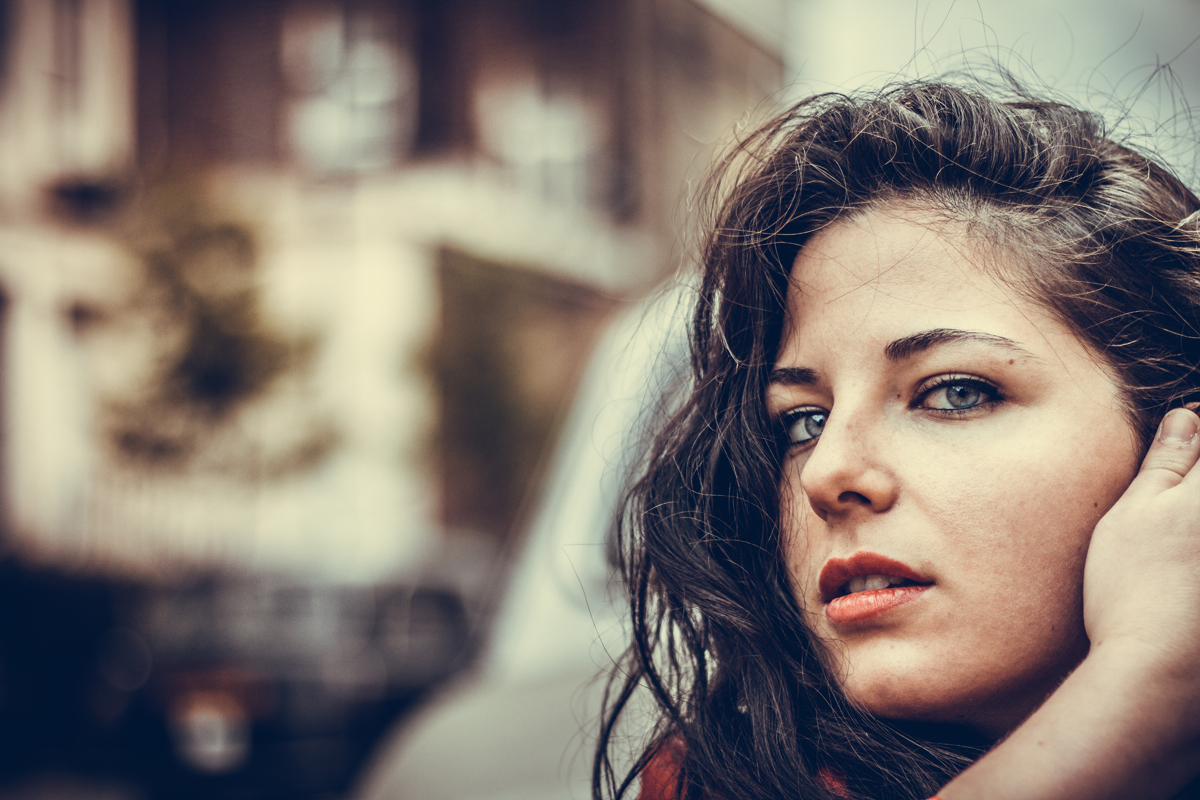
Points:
296	294
421	209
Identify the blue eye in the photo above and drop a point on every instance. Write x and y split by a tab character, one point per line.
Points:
804	425
957	393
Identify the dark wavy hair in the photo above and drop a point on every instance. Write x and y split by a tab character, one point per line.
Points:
1105	238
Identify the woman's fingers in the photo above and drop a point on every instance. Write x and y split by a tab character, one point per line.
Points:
1173	452
1138	580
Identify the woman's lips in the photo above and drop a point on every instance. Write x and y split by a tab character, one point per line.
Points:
860	605
843	606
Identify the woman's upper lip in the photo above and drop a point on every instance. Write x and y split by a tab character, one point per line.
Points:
838	571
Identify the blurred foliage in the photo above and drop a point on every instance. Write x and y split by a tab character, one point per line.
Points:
213	350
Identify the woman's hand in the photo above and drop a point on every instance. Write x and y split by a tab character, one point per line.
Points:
1141	581
1126	723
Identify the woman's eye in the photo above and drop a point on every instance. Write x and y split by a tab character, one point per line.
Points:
804	425
957	394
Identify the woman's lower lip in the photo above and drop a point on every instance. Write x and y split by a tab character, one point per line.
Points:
861	605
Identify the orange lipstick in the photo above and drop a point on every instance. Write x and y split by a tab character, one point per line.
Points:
844	605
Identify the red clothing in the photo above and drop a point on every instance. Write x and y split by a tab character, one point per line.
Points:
661	775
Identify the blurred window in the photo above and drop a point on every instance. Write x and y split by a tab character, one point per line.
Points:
352	88
547	140
510	352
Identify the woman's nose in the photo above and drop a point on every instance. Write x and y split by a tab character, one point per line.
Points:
844	472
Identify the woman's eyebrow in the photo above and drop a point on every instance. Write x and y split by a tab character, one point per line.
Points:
793	376
903	348
908	346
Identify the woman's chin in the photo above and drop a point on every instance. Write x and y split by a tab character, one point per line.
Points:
985	714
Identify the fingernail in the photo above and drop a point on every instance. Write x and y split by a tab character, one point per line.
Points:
1178	428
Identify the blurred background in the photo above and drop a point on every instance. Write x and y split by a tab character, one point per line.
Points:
329	331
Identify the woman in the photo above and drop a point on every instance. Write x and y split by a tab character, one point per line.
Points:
921	483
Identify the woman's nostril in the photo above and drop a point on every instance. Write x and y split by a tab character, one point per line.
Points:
853	498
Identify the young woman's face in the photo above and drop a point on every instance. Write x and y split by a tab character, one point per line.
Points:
952	448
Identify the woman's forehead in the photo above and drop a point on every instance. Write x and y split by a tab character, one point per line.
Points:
892	272
891	248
